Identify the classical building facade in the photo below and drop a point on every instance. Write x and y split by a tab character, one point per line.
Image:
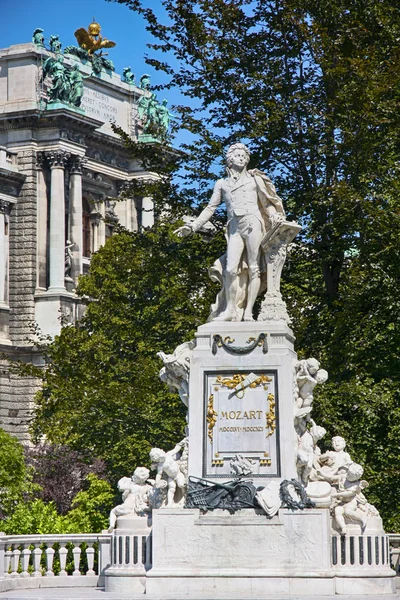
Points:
62	169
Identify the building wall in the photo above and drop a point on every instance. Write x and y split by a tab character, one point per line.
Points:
51	157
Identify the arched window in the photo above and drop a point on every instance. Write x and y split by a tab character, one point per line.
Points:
86	228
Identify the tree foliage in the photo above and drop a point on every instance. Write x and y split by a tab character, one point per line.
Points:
89	512
313	87
101	391
60	473
15	476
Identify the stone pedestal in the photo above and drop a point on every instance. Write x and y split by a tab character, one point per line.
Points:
245	555
130	556
256	421
242	401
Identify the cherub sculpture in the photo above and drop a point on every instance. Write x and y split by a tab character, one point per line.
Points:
330	462
135	496
349	503
308	451
175	372
308	375
167	464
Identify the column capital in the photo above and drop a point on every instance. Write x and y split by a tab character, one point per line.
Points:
4	206
57	158
40	159
95	218
77	163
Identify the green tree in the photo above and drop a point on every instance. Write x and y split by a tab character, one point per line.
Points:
89	512
101	391
15	476
313	87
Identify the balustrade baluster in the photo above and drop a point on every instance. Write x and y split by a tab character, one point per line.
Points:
357	551
347	550
148	552
26	554
15	562
37	555
63	552
7	562
49	562
90	559
77	555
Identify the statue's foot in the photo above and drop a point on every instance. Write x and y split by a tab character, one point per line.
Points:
226	315
247	316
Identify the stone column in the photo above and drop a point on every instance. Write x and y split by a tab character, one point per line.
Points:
3	251
102	225
147	212
57	160
95	220
41	278
75	230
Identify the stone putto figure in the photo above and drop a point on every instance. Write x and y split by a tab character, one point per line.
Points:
255	217
176	369
330	462
135	496
167	464
308	451
348	501
308	375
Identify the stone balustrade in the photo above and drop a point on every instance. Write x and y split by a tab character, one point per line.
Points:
360	551
79	560
29	561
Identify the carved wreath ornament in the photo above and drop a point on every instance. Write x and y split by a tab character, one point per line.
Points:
294	496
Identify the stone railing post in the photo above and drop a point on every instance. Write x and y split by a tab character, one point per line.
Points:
57	160
2	554
104	560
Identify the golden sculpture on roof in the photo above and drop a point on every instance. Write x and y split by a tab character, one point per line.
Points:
91	40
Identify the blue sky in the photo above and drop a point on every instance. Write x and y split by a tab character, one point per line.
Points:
19	18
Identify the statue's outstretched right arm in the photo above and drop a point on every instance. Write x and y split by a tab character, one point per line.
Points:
205	214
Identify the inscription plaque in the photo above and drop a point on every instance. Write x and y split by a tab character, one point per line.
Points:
241	417
104	107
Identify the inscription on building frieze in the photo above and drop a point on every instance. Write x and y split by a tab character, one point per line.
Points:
103	107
